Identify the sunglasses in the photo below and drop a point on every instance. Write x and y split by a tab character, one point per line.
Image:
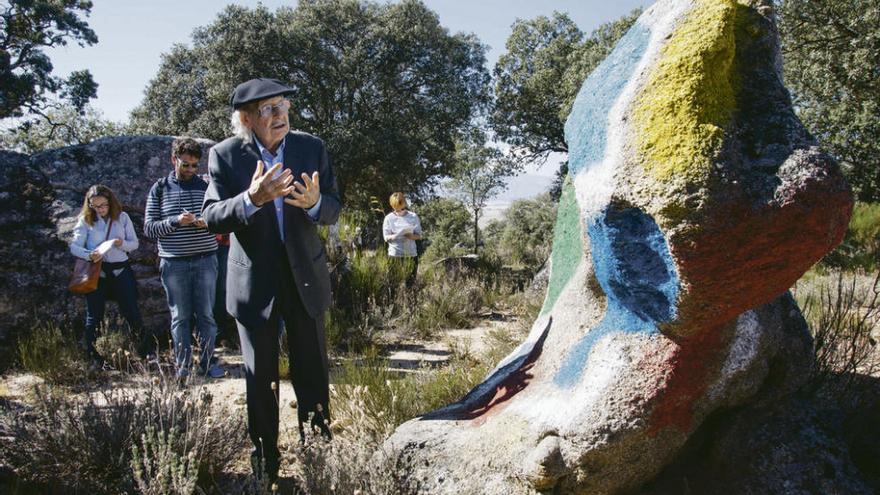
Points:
100	206
183	164
278	108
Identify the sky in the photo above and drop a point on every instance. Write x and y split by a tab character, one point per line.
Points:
133	34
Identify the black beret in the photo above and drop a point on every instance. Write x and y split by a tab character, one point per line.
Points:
257	89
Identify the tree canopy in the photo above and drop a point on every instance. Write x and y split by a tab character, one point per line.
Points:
61	125
831	52
537	79
26	80
385	85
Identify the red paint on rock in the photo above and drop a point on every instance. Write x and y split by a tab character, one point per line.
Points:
691	367
746	257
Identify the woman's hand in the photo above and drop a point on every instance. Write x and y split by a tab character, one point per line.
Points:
117	242
95	256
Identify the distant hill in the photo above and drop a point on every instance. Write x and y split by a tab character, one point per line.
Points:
520	187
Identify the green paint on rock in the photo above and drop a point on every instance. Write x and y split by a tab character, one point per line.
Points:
567	245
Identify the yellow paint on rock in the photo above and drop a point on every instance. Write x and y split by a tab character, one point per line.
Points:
681	111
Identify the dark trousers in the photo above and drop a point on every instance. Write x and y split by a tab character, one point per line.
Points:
123	289
309	373
225	323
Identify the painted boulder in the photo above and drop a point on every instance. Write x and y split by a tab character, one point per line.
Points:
695	199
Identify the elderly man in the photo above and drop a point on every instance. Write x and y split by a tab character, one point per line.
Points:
271	187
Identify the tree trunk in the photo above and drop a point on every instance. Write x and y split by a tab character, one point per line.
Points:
476	230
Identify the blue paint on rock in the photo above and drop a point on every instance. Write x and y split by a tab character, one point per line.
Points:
635	270
586	127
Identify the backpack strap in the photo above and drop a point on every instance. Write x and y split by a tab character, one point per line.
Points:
161	184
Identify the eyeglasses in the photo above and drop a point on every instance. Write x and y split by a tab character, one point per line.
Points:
278	108
100	206
183	164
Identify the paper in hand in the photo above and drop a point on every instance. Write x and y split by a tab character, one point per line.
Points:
105	246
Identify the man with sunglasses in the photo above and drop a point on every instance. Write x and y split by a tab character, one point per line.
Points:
187	256
271	187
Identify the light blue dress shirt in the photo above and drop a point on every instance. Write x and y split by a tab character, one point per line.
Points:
269	160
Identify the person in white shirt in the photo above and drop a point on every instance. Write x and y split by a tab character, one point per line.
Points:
101	220
401	230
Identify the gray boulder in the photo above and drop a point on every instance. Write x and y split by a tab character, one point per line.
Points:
40	198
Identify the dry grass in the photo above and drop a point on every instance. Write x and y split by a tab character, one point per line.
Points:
843	312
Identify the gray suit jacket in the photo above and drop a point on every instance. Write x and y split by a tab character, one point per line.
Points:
251	281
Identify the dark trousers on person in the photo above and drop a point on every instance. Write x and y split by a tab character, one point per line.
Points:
123	289
309	373
225	324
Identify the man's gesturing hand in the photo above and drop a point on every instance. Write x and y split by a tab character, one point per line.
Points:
306	194
266	187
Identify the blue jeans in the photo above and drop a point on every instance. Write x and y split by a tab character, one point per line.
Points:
189	288
123	289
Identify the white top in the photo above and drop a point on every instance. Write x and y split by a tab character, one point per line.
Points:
87	238
397	225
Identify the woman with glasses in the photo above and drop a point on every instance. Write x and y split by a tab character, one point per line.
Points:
102	220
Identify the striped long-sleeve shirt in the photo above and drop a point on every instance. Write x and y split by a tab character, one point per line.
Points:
162	213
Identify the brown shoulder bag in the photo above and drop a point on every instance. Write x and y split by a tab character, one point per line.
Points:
86	273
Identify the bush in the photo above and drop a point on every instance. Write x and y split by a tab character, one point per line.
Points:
445	224
52	353
116	349
860	248
442	302
160	470
368	295
86	443
524	237
842	310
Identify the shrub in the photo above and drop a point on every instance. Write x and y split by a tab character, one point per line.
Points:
445	224
860	248
86	442
52	353
842	310
442	302
524	237
116	349
160	470
370	400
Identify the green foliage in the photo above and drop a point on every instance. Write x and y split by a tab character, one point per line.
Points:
371	288
60	125
537	79
480	173
384	84
28	27
525	235
831	52
371	397
860	248
160	470
443	302
51	353
445	224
